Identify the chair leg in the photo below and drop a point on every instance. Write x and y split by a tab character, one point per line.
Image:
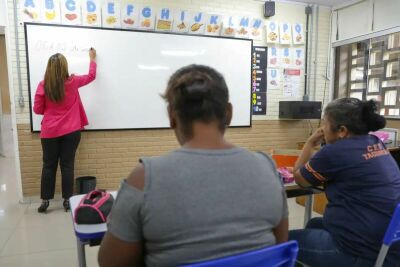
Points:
381	256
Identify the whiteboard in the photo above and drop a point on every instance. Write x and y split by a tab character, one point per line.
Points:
133	68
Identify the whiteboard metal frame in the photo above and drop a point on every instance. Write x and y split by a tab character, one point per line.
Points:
128	30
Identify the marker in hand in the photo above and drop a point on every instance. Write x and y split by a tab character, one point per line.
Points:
92	54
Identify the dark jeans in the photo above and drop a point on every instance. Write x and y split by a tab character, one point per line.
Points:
61	149
318	248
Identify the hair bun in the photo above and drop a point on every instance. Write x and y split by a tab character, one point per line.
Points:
372	119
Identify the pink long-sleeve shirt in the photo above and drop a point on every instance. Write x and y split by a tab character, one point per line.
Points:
68	115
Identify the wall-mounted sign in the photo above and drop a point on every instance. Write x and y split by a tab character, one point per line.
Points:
273	57
298	57
274	77
51	11
30	10
111	12
229	26
272	32
285	33
242	30
129	15
146	18
197	21
91	13
256	29
164	19
71	12
181	21
213	25
297	33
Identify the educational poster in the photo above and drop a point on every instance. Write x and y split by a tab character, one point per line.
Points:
259	65
229	26
242	30
30	10
146	18
164	20
196	23
256	29
71	12
298	58
274	79
111	14
259	80
51	11
260	56
181	21
273	57
291	83
286	57
213	25
298	33
91	13
129	15
285	33
272	32
259	101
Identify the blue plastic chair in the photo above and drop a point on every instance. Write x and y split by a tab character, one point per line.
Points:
392	235
282	255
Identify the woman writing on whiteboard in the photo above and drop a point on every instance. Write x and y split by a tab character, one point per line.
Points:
57	98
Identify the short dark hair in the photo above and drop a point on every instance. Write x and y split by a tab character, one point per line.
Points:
359	117
198	93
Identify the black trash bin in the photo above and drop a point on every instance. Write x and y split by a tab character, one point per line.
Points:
85	184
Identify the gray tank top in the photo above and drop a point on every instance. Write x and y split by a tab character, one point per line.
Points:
201	204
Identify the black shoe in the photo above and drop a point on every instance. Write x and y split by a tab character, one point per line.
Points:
66	205
44	206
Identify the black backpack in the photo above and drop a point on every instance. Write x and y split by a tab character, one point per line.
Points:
94	207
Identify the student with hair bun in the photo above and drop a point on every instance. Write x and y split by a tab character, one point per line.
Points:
205	200
362	184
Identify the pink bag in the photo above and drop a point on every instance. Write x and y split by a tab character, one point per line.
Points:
286	174
94	207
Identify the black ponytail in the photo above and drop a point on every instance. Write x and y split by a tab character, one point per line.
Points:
359	117
372	119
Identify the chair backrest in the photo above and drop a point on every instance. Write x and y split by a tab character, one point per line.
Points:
282	255
285	157
393	231
392	235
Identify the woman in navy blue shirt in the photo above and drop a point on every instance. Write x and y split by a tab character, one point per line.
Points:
362	184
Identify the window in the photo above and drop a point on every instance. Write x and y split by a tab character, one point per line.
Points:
370	69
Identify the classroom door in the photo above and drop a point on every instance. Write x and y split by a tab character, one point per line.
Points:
4	89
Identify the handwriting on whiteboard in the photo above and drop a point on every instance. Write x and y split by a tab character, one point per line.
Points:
59	47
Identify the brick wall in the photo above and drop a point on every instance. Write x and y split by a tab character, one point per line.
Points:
111	155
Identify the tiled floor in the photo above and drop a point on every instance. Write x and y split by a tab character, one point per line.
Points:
31	239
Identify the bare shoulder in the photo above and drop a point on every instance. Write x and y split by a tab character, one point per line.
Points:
136	178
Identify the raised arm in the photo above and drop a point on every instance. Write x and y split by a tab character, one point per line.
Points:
83	80
39	103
